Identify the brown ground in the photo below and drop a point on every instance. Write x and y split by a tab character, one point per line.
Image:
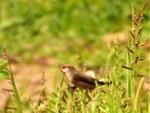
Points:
28	80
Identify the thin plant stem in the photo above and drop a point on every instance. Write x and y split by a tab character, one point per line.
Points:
137	96
17	97
15	91
129	87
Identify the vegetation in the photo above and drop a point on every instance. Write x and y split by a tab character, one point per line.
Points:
70	32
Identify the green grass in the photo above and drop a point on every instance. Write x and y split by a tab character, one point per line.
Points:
70	32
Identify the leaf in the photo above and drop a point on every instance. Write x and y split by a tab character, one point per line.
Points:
3	64
4	74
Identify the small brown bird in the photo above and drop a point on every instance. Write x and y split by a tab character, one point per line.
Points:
77	78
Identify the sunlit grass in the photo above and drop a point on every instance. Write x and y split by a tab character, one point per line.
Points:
70	32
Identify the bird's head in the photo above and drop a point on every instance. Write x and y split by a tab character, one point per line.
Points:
67	68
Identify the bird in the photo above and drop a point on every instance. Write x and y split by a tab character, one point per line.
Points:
78	79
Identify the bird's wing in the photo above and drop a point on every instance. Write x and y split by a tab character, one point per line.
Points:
84	78
84	85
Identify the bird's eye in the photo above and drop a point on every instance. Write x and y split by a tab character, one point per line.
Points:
63	67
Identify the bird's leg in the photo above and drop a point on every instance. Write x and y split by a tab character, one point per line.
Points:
71	87
66	92
88	95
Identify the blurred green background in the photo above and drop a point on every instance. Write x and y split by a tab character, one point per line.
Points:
40	35
61	29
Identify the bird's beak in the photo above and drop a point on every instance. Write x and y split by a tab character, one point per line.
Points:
61	70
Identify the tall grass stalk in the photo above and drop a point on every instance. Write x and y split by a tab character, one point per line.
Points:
137	96
15	91
149	94
129	78
16	94
133	47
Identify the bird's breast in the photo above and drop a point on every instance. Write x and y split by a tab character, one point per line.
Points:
69	77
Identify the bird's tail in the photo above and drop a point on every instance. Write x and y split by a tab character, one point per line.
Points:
102	82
